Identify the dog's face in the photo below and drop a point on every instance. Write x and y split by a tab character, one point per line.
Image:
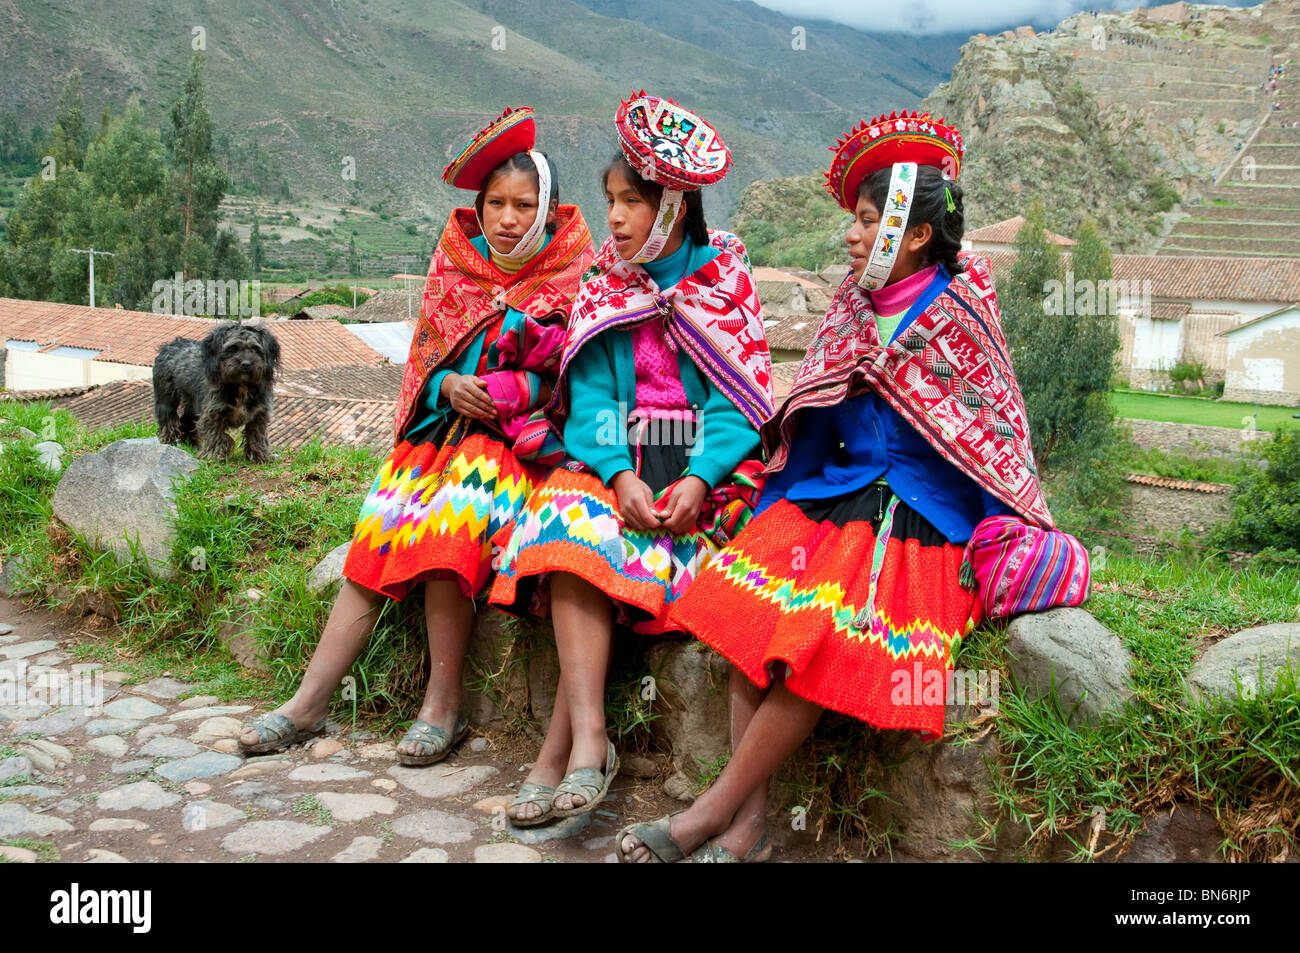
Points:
240	354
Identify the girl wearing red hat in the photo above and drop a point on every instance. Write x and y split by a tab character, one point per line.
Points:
470	441
664	382
903	440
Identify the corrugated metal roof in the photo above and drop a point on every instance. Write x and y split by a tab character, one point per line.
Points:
391	339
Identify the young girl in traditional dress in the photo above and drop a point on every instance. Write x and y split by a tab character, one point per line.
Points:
470	440
667	326
901	452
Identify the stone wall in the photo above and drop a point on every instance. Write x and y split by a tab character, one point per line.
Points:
1160	511
1191	439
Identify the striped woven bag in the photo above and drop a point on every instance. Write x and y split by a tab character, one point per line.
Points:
1019	567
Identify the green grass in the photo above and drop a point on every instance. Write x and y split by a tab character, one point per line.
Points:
1182	467
1195	410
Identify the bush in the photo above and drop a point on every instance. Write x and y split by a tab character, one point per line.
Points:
1266	504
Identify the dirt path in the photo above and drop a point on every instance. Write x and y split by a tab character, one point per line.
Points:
145	777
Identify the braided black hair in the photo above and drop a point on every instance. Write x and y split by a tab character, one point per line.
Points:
696	228
929	204
523	162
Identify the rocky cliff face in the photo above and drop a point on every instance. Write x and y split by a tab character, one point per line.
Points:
1131	118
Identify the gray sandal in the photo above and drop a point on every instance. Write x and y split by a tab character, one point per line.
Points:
275	732
530	793
436	742
589	783
654	837
710	853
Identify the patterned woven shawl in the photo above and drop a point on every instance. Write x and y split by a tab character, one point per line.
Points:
948	374
714	314
464	292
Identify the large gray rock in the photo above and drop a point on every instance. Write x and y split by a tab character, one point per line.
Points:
690	689
1088	662
543	679
124	493
935	793
329	571
1258	656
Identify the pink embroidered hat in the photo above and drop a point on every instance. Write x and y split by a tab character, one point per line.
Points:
670	145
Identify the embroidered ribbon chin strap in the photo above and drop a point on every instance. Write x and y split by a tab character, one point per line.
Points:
532	241
893	222
670	208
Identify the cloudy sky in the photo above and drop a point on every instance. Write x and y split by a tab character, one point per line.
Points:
945	16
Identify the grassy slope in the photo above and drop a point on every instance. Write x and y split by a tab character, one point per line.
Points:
400	88
1193	410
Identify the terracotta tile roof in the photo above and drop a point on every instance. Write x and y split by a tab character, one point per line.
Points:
1169	310
114	403
1191	277
390	306
794	333
354	381
1005	232
50	393
133	337
317	311
1169	483
780	274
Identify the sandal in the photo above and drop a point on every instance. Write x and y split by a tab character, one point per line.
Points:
530	793
436	742
710	853
276	731
654	836
590	783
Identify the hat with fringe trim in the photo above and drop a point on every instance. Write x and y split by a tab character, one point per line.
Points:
881	142
511	132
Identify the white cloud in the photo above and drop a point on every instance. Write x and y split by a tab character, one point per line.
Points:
942	16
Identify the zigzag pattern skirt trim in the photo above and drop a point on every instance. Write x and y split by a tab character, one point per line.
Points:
797	594
434	510
571	523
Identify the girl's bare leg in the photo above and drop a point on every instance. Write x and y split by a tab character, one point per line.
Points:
584	633
553	760
449	618
350	623
780	724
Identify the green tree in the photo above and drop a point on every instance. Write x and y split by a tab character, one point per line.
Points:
1266	503
354	260
255	244
198	181
68	138
1063	339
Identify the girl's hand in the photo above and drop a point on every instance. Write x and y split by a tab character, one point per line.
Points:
468	395
682	508
635	501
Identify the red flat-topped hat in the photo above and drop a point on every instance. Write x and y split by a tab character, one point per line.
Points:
881	142
511	132
669	144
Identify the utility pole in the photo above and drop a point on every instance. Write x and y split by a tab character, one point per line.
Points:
92	253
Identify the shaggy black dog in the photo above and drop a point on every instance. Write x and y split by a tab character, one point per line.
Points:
202	388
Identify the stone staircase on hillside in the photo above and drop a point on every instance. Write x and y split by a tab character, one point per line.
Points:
1253	209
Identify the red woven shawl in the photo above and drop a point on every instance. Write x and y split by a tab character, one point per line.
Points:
460	295
948	374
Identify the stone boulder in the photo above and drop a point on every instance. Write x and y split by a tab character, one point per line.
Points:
690	698
15	577
1088	662
490	661
50	455
328	573
1182	834
937	794
124	494
1258	657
